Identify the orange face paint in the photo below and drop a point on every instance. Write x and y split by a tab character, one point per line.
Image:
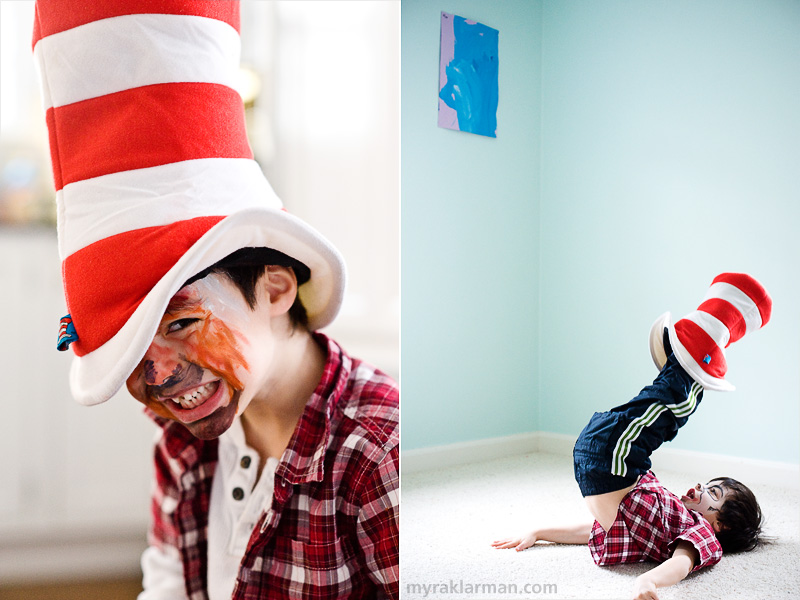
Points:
191	340
215	349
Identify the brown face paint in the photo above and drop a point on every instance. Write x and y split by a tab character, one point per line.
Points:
218	422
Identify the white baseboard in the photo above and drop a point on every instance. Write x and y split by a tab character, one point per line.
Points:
451	455
751	471
756	472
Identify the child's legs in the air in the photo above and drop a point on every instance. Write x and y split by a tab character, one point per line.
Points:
614	449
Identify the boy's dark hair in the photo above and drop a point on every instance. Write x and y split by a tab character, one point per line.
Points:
740	517
246	266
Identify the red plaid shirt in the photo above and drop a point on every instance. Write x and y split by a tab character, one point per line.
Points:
332	528
649	523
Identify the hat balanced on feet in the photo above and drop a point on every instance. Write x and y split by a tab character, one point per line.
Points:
734	305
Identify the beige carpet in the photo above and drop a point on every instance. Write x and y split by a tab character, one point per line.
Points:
449	518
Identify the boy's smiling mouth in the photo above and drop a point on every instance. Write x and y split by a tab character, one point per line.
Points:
197	396
693	496
199	402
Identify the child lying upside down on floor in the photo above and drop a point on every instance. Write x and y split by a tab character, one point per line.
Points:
636	518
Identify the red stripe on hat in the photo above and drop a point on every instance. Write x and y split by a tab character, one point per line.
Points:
728	314
99	300
55	16
701	345
146	127
752	289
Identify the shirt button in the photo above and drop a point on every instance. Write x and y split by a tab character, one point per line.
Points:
245	462
238	493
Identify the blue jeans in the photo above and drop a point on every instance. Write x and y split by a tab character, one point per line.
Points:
614	449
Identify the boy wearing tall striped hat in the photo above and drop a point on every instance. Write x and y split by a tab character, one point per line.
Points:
636	518
276	468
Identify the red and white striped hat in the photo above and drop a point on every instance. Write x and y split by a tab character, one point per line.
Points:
734	305
155	179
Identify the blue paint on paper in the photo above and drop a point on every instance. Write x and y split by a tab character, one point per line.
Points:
471	88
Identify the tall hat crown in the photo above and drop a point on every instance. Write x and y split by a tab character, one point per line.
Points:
155	179
734	305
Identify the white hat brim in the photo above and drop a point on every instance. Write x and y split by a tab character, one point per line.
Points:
98	375
685	359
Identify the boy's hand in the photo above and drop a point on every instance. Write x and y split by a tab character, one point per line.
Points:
670	572
519	543
644	589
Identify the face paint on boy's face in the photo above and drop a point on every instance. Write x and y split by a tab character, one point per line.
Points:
192	372
707	500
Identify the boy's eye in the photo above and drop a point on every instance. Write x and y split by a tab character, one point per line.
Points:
180	324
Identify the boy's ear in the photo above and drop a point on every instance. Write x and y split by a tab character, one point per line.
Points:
280	283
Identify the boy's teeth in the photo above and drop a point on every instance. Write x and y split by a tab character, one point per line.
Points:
196	398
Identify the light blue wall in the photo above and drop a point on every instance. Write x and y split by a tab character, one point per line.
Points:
469	238
671	137
658	146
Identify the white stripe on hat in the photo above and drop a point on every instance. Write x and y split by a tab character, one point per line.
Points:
712	326
174	192
740	300
120	53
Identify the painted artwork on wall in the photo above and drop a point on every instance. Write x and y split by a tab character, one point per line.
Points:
468	70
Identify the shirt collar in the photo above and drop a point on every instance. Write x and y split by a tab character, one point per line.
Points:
304	458
234	435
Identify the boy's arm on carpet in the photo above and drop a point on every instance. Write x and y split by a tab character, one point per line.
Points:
667	573
570	534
